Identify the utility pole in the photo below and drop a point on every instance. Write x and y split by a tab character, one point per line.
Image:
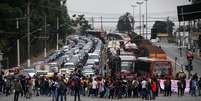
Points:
143	25
92	22
57	33
28	35
189	35
18	52
18	43
101	23
184	29
45	44
133	24
180	48
140	3
146	20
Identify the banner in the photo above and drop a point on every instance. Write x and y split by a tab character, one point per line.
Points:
174	87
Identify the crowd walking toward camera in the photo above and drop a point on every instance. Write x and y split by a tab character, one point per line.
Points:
59	88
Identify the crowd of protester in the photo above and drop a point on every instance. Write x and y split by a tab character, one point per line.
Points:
58	87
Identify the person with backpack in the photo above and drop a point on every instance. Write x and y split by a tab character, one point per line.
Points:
60	89
18	89
76	84
193	87
53	86
135	85
199	87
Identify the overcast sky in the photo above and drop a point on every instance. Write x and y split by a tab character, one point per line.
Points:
115	8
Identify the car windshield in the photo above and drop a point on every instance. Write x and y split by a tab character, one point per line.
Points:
93	56
87	70
69	66
29	70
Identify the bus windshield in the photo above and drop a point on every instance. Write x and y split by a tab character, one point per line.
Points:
161	69
127	66
142	67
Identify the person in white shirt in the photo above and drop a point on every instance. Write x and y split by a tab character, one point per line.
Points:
144	88
94	87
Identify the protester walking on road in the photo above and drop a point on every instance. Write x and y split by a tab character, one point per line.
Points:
183	86
60	89
199	87
193	87
76	86
18	89
154	89
144	88
135	87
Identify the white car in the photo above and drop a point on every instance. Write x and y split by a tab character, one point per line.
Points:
94	56
31	72
70	66
88	72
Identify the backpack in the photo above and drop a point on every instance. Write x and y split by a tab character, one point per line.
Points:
75	82
194	84
53	86
135	84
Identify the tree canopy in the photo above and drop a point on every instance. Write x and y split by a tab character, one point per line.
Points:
124	23
163	27
80	23
13	10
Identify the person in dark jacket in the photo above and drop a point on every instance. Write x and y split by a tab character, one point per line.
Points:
183	86
60	89
179	87
199	86
76	86
18	89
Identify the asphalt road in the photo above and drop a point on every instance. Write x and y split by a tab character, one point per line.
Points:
173	51
70	98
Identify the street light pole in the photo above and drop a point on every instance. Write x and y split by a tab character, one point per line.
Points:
140	3
133	6
146	20
28	35
143	25
57	33
45	44
18	43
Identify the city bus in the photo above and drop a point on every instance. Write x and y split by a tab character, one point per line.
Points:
126	70
160	68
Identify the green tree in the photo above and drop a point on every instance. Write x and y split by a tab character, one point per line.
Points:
12	9
163	27
80	22
124	23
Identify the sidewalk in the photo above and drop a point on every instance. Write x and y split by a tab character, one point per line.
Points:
172	51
